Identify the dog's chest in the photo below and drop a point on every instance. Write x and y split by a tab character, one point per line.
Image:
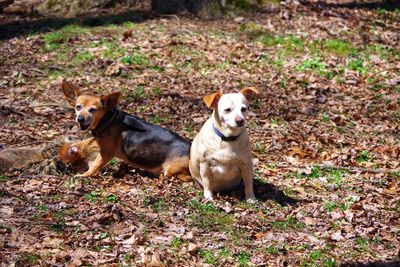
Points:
228	157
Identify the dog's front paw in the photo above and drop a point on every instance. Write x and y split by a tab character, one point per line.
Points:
208	195
252	200
85	174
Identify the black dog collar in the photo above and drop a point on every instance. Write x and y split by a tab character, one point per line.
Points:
223	137
105	122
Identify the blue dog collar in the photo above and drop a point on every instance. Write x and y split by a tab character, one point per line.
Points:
223	137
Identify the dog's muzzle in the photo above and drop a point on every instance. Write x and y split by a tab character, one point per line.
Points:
239	123
83	123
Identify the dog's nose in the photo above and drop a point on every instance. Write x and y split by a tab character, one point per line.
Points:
239	122
80	119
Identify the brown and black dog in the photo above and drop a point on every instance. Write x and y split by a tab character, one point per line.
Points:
138	143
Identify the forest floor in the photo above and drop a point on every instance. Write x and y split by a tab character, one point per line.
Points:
329	77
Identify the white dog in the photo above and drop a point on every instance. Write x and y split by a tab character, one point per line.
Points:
220	155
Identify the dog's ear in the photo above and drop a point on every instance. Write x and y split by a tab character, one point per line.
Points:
249	92
212	100
70	91
111	100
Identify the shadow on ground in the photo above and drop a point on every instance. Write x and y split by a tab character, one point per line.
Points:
266	191
31	25
263	191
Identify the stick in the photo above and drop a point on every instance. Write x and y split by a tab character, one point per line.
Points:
349	169
379	72
13	110
39	223
31	143
51	105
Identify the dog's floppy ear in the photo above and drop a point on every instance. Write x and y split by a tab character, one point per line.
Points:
248	92
70	91
212	100
111	100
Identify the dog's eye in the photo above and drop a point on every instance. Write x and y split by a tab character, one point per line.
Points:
227	110
243	109
92	110
78	107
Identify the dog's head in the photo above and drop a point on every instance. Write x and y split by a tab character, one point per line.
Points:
232	108
89	109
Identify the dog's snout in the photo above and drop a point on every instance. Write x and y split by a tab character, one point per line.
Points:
80	119
239	121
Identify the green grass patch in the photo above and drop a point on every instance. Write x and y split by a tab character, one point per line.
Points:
358	65
83	57
315	172
331	206
312	64
114	162
54	75
335	176
363	156
176	242
252	29
214	257
135	94
111	198
208	216
137	59
27	259
271	250
129	25
384	52
260	148
53	40
362	243
100	195
4	178
243	258
93	196
110	49
315	65
318	258
287	45
157	119
291	224
208	256
157	203
338	47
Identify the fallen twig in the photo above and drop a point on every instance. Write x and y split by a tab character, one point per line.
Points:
379	72
349	169
30	144
37	223
172	16
51	105
13	110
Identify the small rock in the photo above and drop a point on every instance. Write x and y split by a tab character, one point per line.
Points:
336	215
191	247
114	69
337	236
238	19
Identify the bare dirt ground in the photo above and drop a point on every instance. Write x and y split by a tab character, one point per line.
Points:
325	135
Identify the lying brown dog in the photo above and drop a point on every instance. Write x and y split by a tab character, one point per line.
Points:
138	143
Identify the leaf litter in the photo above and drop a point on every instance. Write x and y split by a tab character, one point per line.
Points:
330	97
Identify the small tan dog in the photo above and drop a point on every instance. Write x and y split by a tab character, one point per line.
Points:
220	155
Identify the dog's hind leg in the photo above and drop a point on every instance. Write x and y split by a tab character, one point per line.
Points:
179	168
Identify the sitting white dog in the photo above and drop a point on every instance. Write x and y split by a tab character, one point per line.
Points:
220	155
